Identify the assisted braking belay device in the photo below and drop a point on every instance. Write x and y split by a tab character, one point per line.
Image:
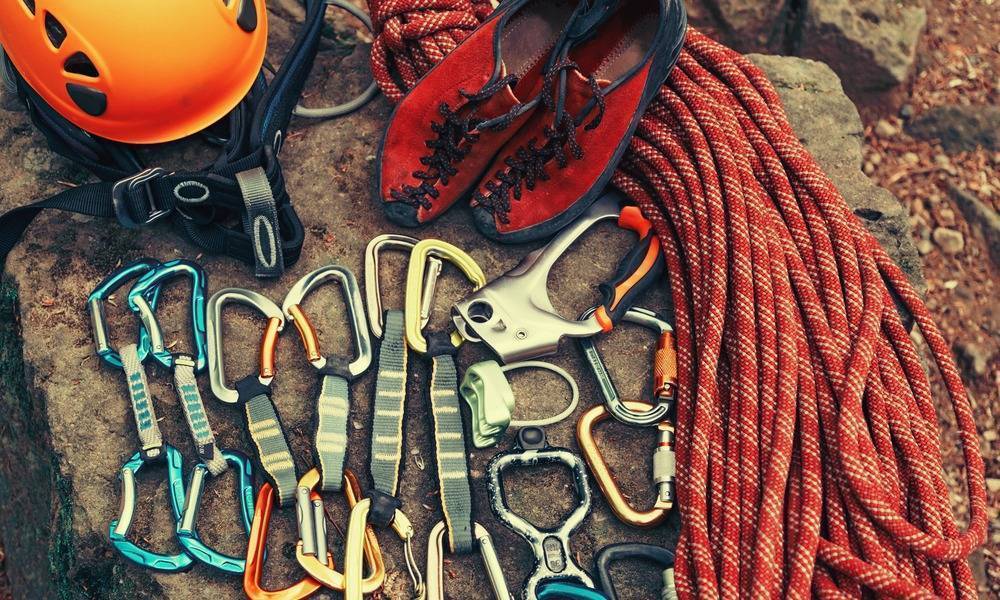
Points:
513	314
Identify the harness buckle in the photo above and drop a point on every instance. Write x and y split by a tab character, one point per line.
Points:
128	188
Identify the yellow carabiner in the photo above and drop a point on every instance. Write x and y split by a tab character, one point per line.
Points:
415	284
358	522
663	467
326	573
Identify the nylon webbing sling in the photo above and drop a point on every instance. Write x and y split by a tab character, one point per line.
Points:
197	420
273	452
390	406
332	408
150	437
449	440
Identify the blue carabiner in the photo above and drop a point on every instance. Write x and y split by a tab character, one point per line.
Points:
140	301
559	590
95	306
119	528
187	531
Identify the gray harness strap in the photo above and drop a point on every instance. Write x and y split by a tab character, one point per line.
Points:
390	401
261	222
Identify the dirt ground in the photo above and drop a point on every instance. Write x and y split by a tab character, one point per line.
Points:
959	63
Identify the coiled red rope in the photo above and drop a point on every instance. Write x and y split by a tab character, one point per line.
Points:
807	436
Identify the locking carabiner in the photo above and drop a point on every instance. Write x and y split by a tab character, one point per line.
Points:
664	372
553	557
513	314
187	532
487	391
119	528
487	551
663	468
268	342
99	321
415	281
292	308
660	556
312	535
373	293
257	554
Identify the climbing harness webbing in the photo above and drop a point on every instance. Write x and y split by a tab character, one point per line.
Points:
807	436
245	181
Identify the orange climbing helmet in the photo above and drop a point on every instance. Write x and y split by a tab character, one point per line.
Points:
137	72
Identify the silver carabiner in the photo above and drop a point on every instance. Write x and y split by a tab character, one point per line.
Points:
268	342
292	309
373	294
513	314
664	371
487	550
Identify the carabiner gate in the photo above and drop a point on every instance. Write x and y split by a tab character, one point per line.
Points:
268	342
664	372
256	555
119	528
99	321
663	468
487	551
312	535
373	293
187	532
416	278
292	308
358	531
139	300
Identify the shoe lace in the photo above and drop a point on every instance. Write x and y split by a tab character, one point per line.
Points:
527	165
454	137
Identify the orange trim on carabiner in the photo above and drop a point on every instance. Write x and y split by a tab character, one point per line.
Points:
310	339
268	346
256	555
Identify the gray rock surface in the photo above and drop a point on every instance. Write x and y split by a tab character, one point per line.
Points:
871	45
959	128
67	427
981	217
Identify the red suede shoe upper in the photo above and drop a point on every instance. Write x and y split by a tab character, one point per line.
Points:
559	161
467	69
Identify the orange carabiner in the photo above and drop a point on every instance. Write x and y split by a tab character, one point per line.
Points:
256	553
327	573
663	467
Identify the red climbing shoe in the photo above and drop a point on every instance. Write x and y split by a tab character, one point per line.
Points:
444	134
593	95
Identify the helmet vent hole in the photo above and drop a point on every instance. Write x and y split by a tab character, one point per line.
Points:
30	5
80	64
55	30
